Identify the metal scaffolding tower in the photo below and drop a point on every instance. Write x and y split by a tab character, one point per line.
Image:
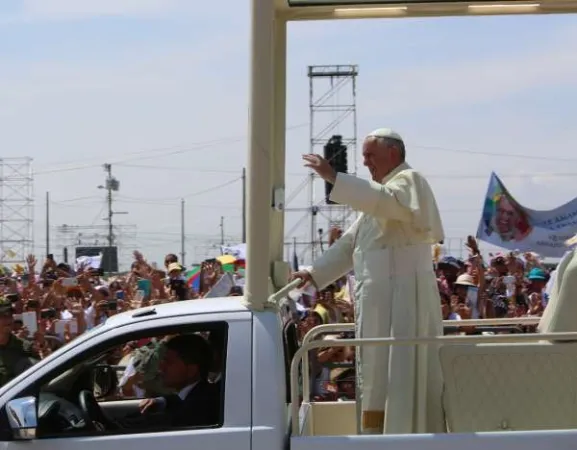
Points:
16	210
333	111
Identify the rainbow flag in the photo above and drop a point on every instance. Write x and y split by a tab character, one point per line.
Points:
193	278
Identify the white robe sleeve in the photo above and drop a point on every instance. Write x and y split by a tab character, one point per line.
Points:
337	260
406	198
372	198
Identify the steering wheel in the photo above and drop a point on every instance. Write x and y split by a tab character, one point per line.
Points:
92	411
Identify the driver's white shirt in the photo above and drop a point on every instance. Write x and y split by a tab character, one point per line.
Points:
186	390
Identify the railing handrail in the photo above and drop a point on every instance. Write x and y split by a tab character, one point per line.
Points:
343	327
311	334
306	347
350	326
492	322
284	291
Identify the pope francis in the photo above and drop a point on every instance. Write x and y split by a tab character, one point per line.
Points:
389	249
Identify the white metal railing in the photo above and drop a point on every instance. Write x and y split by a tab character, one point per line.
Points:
311	345
283	292
344	327
492	322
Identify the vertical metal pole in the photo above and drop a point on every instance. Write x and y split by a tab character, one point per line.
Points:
277	161
244	204
108	169
182	233
313	212
221	230
259	182
47	223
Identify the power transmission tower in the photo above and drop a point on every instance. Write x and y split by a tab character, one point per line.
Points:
333	111
16	210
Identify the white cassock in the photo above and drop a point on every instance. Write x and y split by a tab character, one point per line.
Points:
396	294
560	315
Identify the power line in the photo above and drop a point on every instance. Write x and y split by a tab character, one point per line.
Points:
192	169
127	199
174	150
161	152
173	203
499	155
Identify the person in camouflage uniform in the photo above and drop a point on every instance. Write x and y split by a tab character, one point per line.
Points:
16	355
145	361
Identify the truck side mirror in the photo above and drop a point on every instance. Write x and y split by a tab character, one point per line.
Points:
23	417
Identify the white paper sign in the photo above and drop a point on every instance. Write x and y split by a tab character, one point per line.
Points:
30	321
60	327
222	287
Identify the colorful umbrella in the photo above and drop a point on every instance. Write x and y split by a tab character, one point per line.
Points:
193	278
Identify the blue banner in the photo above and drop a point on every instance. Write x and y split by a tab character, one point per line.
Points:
507	224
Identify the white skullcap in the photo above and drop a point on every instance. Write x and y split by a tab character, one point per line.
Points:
385	133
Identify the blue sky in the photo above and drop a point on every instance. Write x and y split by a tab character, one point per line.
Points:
164	84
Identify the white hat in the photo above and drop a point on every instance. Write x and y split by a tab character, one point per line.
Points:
465	280
385	133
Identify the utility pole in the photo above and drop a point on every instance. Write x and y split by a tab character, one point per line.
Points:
111	185
108	169
221	230
182	234
47	223
244	205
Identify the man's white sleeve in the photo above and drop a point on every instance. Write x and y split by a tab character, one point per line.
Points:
375	199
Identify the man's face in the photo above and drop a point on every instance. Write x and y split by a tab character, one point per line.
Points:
378	159
326	297
538	285
505	216
449	272
461	291
173	275
175	372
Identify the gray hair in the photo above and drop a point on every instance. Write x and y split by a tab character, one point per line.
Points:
391	142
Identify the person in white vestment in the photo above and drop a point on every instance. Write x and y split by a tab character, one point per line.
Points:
560	315
389	247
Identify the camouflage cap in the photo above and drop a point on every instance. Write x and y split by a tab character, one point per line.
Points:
5	306
147	358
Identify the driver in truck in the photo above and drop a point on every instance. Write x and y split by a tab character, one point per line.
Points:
389	249
185	368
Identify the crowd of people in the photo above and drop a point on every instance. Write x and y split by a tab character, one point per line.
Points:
45	306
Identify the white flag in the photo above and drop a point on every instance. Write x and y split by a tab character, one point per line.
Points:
238	251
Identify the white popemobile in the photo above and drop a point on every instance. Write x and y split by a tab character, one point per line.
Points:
502	392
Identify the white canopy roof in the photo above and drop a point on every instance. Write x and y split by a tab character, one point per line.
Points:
362	9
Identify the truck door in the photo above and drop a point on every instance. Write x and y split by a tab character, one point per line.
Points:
65	381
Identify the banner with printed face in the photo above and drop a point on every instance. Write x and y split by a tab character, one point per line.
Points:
509	225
